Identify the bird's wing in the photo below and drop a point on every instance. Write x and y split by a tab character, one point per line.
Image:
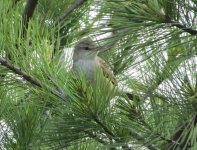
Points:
107	72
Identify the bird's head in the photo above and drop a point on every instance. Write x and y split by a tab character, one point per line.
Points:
85	49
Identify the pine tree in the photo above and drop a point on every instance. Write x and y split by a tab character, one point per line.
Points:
150	46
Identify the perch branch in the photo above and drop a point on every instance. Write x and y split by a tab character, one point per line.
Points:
71	9
180	26
18	71
29	78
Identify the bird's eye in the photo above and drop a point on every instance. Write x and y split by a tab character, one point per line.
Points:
86	48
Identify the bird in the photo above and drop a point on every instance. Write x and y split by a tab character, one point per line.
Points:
87	61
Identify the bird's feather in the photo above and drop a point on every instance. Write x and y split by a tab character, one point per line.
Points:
107	72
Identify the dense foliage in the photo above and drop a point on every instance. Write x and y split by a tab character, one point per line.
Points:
151	46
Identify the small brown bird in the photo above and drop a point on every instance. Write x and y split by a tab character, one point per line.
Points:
86	60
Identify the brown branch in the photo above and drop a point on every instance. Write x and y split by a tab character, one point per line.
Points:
56	86
18	71
29	78
27	14
96	119
71	9
180	26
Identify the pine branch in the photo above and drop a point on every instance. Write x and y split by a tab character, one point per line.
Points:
71	9
56	86
112	136
29	78
180	26
27	14
103	126
181	137
143	140
20	72
166	139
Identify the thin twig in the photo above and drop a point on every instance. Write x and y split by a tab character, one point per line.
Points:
112	136
19	72
71	9
103	126
29	78
143	140
56	86
180	26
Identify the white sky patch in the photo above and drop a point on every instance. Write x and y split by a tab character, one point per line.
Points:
4	131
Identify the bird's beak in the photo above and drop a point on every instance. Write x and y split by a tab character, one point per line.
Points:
94	52
101	49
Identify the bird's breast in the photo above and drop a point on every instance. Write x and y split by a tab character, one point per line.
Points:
88	67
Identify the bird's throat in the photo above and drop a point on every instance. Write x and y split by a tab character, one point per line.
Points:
86	66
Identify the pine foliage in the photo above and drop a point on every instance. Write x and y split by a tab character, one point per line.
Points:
151	46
